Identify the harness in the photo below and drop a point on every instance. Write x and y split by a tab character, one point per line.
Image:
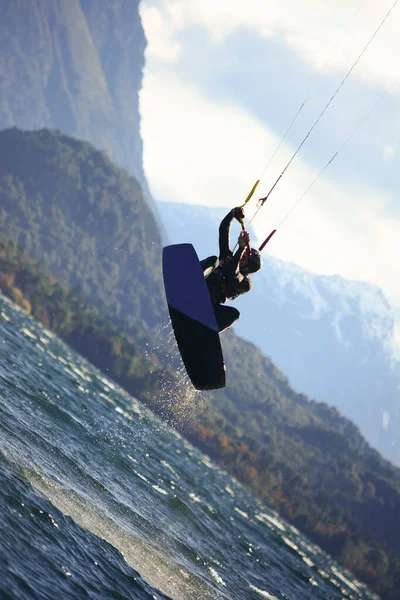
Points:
229	292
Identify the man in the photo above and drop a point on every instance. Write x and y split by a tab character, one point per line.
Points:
228	276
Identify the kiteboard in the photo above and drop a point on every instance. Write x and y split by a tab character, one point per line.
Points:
192	317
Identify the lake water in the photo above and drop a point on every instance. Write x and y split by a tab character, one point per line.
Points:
100	499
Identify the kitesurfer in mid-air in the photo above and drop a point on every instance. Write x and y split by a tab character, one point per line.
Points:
228	276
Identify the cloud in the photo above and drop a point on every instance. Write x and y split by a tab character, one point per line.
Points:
388	152
205	147
199	152
195	151
327	35
161	43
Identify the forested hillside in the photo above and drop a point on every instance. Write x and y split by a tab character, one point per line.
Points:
87	224
68	205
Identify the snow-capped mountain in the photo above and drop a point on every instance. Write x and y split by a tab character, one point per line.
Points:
332	337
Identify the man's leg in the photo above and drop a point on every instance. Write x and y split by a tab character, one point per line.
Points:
225	316
209	265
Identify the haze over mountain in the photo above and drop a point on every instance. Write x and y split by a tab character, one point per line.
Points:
333	338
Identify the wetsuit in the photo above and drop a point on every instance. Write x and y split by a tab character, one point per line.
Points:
224	279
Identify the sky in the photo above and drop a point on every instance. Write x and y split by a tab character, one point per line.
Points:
224	79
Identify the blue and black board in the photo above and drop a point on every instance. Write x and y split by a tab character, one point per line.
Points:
192	317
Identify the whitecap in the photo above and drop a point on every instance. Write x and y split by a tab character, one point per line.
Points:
351	584
123	413
290	544
110	400
269	519
262	593
242	513
229	490
164	462
194	497
308	561
28	333
160	490
216	576
141	476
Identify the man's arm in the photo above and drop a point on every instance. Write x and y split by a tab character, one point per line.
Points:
238	282
231	268
224	228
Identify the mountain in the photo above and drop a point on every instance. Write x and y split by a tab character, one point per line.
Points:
75	66
333	338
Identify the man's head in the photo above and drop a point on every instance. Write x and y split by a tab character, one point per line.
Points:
250	263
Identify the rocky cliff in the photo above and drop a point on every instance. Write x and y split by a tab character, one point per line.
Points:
75	66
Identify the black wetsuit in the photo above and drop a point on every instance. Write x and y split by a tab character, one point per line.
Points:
224	280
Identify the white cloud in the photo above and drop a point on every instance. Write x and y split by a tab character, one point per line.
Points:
198	152
160	36
327	35
195	151
202	152
388	152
